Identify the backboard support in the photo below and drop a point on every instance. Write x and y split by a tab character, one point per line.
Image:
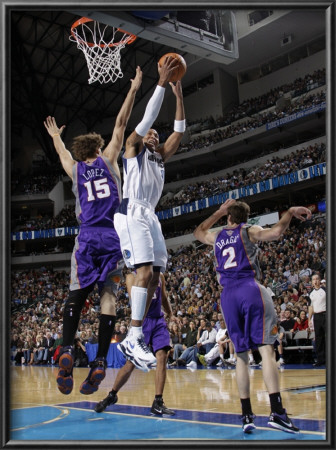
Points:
209	34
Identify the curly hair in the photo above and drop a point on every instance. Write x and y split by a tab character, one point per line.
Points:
86	146
239	212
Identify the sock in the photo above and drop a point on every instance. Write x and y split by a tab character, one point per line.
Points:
276	403
221	357
246	406
136	331
139	299
158	397
106	328
250	357
280	356
113	393
232	356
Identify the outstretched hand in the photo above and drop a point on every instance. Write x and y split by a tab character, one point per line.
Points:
137	80
51	126
177	88
300	212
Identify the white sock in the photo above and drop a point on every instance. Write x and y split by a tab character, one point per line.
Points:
135	331
251	358
139	299
232	356
221	357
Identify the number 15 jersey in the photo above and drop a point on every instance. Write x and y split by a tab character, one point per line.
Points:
236	256
98	192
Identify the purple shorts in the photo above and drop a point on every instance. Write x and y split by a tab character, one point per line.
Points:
96	257
156	333
249	314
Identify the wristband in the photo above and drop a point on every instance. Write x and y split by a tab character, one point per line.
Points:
56	134
180	126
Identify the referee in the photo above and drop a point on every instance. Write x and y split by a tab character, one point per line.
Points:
318	309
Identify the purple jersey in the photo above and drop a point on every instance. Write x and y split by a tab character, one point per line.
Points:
156	304
154	326
247	307
98	193
235	254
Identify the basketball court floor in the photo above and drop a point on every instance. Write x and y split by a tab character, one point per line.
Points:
205	400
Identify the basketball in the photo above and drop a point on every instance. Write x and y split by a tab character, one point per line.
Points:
179	70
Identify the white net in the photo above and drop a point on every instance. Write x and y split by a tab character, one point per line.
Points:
101	51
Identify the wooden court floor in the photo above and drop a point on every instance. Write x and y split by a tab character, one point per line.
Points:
211	393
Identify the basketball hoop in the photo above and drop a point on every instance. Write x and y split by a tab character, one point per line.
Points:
101	45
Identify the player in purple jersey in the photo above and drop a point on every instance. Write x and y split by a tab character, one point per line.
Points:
247	306
96	256
156	336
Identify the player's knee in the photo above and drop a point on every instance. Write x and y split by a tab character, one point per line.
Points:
74	303
144	275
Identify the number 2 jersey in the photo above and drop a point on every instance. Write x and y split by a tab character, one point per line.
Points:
236	256
98	192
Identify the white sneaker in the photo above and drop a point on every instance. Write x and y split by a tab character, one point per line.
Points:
220	363
231	361
252	362
192	365
281	362
136	351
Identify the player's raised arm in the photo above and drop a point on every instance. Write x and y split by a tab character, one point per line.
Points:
114	147
172	143
55	132
134	141
257	233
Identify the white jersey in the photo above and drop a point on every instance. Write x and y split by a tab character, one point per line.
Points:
144	177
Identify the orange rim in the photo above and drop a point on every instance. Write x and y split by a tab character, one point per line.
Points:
128	40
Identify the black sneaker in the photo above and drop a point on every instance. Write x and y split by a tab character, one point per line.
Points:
160	409
282	422
111	399
95	376
248	423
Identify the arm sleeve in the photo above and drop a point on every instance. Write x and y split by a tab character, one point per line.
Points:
151	112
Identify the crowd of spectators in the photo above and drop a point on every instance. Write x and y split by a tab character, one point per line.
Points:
38	295
42	183
35	183
252	123
274	166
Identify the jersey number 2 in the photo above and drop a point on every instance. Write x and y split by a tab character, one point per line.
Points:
101	187
230	262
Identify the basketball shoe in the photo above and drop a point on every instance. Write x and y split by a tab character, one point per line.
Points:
282	422
248	423
135	350
111	399
64	378
160	409
95	377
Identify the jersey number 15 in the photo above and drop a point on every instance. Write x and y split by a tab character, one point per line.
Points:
100	187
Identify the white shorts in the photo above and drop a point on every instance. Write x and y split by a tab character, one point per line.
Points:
140	234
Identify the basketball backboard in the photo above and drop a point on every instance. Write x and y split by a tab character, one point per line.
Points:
210	34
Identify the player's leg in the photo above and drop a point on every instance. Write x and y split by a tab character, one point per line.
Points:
122	377
160	339
71	316
106	327
243	383
278	418
134	347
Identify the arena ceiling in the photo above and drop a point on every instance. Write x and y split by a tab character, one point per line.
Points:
49	74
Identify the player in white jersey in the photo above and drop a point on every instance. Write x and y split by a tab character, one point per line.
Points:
136	223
